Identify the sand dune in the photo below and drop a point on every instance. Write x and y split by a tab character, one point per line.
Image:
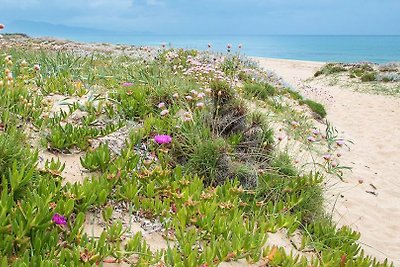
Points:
369	199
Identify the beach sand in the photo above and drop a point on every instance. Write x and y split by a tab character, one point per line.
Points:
369	198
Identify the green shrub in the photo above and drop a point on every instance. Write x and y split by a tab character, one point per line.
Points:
282	164
222	93
317	108
205	157
369	77
246	174
293	94
330	68
243	76
259	90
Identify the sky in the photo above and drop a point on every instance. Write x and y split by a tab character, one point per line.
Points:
209	16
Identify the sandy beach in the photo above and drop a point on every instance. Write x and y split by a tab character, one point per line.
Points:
369	198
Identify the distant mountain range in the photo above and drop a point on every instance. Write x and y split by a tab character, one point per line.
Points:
37	28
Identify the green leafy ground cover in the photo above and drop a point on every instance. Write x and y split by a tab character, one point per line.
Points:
197	158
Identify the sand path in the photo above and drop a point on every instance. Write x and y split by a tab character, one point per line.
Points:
372	122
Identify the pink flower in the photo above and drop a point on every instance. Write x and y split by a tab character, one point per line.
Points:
240	46
164	112
36	67
59	219
200	105
315	132
162	139
176	95
340	142
209	45
189	98
229	46
311	139
126	84
327	157
1	26
187	116
201	95
161	105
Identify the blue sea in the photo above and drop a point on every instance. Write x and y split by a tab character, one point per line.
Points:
325	48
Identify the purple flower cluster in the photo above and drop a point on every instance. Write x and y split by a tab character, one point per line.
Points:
59	219
162	139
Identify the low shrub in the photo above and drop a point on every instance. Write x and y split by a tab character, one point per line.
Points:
317	108
330	68
293	94
368	77
205	157
261	91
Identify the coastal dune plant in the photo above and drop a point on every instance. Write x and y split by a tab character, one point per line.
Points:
97	159
330	68
315	107
260	91
206	172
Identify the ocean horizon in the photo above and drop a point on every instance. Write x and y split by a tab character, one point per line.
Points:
323	48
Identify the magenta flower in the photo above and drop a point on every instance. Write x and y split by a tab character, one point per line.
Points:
126	84
59	219
162	139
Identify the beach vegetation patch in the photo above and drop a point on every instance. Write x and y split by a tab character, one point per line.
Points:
317	108
261	91
179	154
330	68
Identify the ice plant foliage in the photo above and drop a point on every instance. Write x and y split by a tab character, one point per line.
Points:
163	139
